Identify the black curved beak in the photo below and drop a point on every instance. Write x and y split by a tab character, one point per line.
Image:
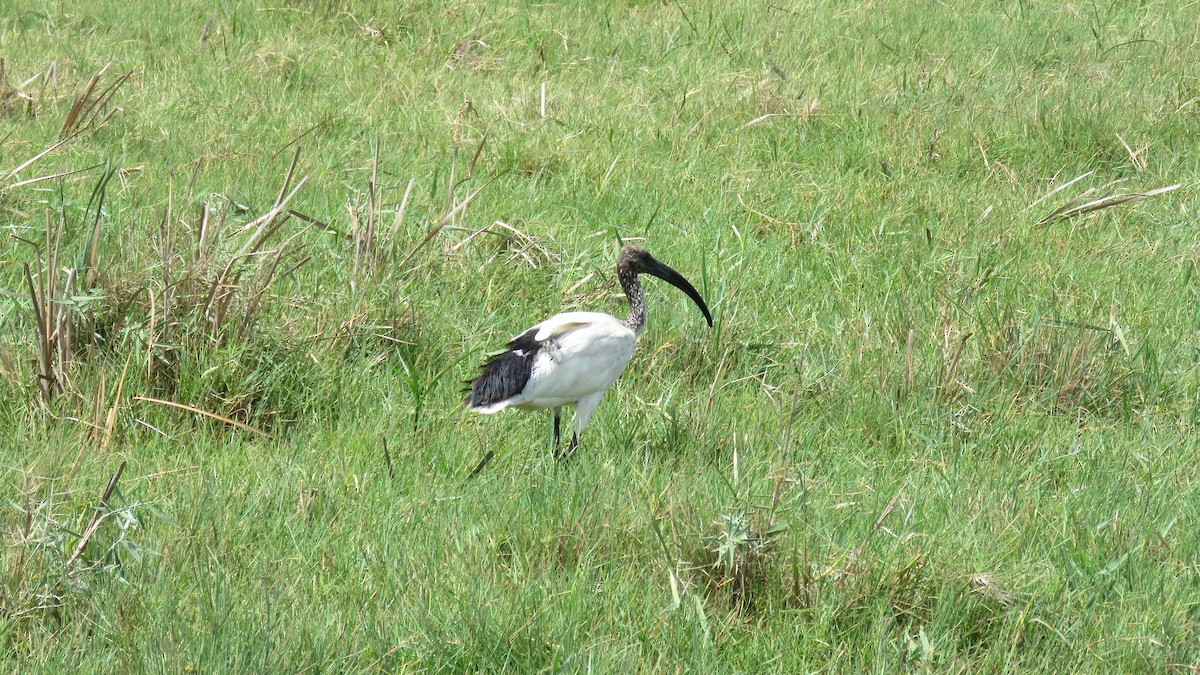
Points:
664	272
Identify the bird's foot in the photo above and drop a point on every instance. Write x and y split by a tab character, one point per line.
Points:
563	456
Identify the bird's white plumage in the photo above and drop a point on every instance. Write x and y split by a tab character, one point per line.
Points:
582	354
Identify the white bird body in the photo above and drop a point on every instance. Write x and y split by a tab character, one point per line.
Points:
573	357
581	355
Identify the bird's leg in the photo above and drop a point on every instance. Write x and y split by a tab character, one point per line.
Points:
564	456
583	412
557	428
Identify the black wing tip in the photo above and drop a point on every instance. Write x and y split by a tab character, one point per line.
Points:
502	377
525	342
470	396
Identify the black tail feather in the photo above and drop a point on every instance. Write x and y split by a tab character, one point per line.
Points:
505	374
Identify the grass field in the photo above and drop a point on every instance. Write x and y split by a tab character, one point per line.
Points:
945	420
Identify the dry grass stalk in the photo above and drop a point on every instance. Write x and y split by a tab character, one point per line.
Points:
368	241
6	90
151	337
98	195
527	242
27	163
96	516
478	154
396	222
1086	202
267	276
762	118
51	315
306	132
321	224
1058	189
263	223
62	322
1137	160
451	185
110	420
364	237
952	369
1074	207
219	418
8	369
81	100
224	285
45	365
908	360
202	236
12	96
85	112
352	212
443	222
575	286
52	176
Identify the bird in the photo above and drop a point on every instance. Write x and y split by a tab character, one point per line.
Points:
572	358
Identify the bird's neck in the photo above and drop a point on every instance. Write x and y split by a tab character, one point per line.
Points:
637	300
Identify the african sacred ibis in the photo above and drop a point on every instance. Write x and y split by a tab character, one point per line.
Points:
573	357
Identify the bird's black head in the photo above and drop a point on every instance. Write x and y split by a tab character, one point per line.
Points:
635	260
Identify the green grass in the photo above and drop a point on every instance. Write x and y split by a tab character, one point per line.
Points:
929	431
